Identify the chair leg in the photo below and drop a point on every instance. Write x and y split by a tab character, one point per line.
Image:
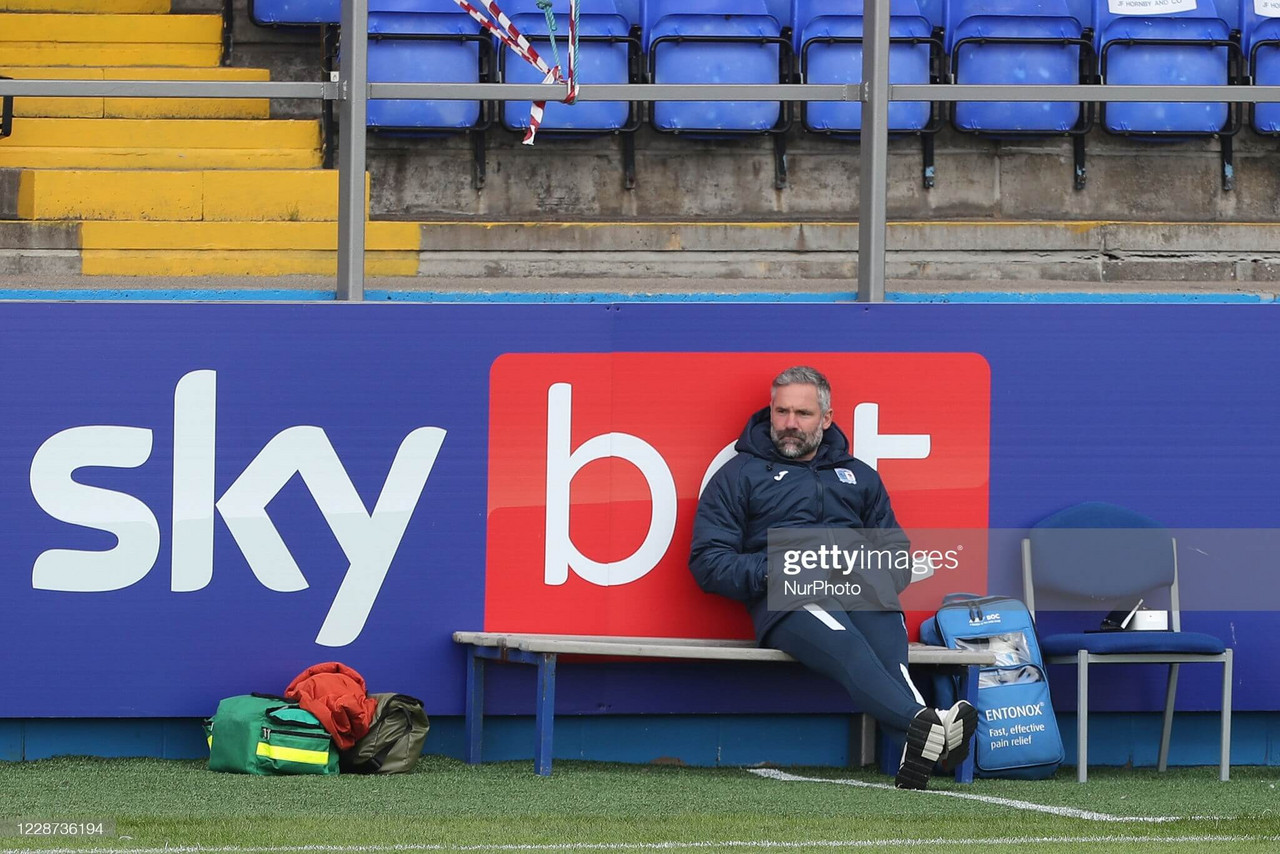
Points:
1166	730
926	158
779	161
1228	164
1082	716
1224	759
1077	149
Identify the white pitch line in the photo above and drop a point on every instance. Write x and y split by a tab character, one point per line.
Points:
1069	812
1017	841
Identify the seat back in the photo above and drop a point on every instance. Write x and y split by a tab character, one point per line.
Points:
309	12
1032	60
1184	20
818	18
1259	21
595	17
1102	554
294	13
706	17
1010	18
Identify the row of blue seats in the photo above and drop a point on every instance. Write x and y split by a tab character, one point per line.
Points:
743	41
793	14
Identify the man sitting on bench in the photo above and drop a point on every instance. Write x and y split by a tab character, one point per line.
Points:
793	470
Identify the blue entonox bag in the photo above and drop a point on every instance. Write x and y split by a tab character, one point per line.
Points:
1017	731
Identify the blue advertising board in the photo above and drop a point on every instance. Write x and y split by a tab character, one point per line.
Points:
201	500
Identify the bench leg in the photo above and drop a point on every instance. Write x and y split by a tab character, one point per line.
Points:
475	707
545	717
969	691
890	754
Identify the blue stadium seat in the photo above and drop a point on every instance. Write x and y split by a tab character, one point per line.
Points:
714	41
294	13
428	41
827	38
607	53
1020	42
424	41
1190	46
1260	39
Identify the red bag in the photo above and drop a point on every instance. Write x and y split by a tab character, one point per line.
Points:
336	695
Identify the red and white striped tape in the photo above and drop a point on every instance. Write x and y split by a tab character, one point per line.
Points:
509	35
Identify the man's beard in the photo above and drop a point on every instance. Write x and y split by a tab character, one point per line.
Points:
807	442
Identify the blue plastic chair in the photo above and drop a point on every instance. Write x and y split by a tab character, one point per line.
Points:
424	41
429	41
1192	47
713	42
1099	553
1019	42
607	53
827	38
1260	40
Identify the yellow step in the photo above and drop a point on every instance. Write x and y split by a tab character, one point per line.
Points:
96	6
162	144
124	29
110	40
49	53
158	158
252	262
211	108
165	133
243	236
241	248
209	195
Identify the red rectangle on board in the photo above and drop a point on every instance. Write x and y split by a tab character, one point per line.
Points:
596	462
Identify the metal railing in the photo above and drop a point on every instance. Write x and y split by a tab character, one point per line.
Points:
352	91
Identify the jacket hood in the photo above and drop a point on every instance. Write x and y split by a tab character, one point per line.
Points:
755	441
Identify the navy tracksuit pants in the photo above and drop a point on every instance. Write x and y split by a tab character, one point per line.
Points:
865	651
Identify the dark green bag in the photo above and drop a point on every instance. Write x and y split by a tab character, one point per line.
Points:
261	734
394	741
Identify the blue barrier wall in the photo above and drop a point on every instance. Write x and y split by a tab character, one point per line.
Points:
320	410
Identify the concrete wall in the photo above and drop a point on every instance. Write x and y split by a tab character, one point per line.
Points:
686	179
821	257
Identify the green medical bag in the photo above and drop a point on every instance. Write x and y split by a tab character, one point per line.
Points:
261	734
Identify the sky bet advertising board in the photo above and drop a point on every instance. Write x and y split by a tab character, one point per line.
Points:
202	500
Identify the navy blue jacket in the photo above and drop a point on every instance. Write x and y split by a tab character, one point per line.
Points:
751	494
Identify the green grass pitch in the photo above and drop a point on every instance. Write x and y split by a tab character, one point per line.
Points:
445	805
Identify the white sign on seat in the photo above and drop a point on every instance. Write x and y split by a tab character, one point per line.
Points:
1153	7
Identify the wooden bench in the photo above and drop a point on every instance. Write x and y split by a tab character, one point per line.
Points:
541	651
